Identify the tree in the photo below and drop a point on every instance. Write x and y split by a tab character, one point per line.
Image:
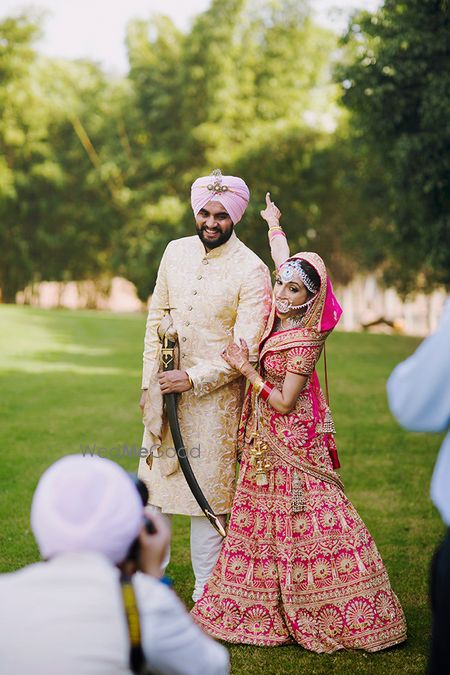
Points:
16	56
57	209
244	76
97	171
397	86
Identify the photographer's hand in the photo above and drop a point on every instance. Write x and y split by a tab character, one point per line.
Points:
153	547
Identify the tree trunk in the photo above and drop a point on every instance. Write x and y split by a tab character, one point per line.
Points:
8	293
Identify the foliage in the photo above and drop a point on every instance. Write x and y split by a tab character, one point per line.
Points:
15	58
397	85
246	76
108	184
95	172
56	211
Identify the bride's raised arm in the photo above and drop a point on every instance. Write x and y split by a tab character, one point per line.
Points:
279	248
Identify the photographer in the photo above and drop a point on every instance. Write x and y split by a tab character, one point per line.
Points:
419	397
97	605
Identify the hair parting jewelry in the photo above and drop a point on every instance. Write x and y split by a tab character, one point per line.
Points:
287	272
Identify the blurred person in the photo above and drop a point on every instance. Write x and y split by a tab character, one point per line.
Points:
419	397
215	288
298	564
68	615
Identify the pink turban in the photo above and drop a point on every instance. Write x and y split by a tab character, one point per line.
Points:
230	191
86	504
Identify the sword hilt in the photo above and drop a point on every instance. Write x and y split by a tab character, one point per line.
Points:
167	353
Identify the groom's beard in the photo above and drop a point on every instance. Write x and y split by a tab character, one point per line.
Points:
221	238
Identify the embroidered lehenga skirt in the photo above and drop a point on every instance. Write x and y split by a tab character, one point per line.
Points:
298	563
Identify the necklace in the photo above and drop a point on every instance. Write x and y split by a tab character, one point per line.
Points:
291	322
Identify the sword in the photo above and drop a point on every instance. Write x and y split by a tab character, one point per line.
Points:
168	339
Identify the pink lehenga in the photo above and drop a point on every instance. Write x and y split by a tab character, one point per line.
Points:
298	564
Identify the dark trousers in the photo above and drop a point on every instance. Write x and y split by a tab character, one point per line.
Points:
439	663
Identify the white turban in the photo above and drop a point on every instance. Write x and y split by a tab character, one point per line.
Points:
86	504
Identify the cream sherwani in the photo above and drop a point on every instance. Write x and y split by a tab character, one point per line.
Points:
214	298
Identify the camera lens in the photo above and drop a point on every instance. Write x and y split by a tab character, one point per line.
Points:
149	526
140	487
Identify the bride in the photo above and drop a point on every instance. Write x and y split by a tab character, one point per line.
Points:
298	563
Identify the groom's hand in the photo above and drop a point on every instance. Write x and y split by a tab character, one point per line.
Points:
174	382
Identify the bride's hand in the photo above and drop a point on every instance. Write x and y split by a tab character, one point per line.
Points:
236	355
271	213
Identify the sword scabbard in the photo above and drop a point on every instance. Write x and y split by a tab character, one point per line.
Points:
215	522
167	363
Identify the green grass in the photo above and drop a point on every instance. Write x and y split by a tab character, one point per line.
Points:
71	379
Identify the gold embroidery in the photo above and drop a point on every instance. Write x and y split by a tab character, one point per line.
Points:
298	495
258	460
288	457
231	301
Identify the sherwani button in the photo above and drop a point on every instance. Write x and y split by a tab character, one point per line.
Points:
187	323
199	276
194	292
190	308
184	339
205	262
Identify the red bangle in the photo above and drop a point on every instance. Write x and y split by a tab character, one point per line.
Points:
266	390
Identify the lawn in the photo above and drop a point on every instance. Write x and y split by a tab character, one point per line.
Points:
69	380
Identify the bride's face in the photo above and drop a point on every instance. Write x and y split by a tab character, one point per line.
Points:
292	292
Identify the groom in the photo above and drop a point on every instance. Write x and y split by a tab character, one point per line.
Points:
218	291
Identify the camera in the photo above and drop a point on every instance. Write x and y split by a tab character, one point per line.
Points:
133	553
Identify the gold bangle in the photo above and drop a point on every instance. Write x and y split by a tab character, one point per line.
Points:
275	227
190	380
258	385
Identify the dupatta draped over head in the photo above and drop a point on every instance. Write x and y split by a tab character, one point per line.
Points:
306	342
322	315
298	563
